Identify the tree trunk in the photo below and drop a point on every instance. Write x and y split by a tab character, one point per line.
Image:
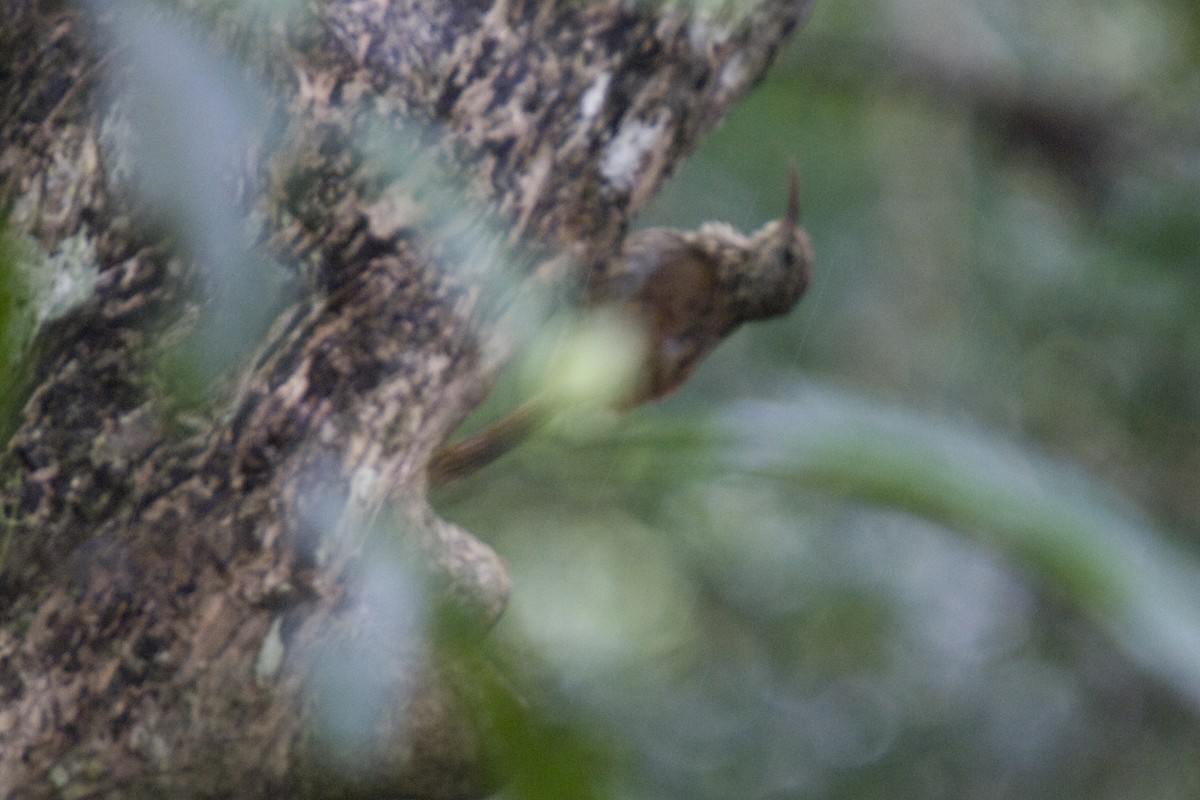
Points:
186	586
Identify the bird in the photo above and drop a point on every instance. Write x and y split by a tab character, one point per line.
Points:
688	290
691	289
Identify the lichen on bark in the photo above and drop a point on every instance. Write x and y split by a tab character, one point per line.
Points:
175	575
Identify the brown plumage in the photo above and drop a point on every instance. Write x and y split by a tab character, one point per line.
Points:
690	289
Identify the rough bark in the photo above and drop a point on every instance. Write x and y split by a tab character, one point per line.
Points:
172	579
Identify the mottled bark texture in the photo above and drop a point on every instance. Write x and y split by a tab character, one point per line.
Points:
172	579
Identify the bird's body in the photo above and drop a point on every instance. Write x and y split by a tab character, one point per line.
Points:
689	289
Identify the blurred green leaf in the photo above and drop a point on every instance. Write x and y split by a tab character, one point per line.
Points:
1082	538
16	329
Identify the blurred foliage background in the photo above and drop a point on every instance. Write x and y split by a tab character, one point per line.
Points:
934	534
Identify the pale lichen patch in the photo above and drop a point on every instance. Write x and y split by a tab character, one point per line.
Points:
624	154
733	74
270	654
593	99
63	278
